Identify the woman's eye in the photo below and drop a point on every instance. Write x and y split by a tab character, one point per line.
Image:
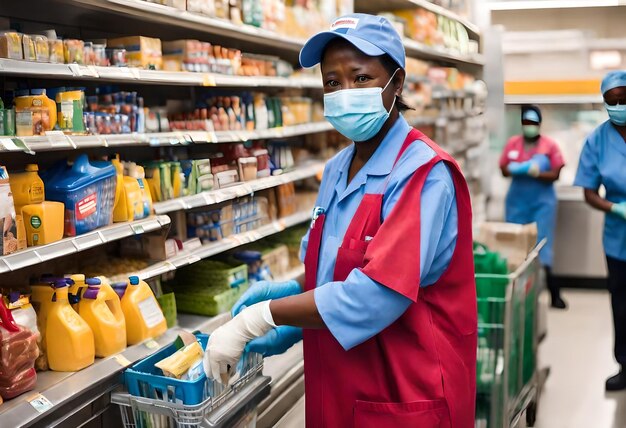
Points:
332	83
362	79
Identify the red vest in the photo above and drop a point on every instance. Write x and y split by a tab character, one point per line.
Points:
421	370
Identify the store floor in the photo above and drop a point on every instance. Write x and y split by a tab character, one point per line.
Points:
578	350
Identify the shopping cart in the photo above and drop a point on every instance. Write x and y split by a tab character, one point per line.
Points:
229	406
507	380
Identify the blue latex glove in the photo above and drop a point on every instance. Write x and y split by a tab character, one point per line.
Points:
277	341
543	161
265	290
619	210
524	168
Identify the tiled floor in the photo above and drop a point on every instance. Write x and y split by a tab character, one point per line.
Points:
578	350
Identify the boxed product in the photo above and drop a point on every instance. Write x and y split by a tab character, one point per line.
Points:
513	241
144	52
150	246
11	45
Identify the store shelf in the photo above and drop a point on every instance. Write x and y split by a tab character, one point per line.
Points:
151	12
13	67
421	51
35	255
59	141
551	4
369	6
237	191
553	99
192	256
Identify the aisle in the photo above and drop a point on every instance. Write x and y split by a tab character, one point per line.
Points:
579	351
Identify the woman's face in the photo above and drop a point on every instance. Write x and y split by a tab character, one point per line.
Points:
616	96
346	67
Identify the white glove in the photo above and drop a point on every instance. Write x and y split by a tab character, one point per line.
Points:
226	343
534	170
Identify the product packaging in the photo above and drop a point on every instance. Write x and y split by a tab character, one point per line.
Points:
9	242
11	45
512	241
144	52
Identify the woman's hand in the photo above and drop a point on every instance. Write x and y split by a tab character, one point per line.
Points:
276	342
266	290
227	343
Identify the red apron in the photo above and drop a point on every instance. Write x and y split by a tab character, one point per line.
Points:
421	370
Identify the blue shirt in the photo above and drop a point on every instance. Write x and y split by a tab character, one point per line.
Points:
603	162
358	308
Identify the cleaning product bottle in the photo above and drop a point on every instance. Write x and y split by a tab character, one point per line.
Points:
77	286
120	289
109	331
27	187
69	340
144	317
145	191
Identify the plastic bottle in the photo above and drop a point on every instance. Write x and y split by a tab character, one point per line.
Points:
27	187
69	340
96	307
38	100
77	286
144	317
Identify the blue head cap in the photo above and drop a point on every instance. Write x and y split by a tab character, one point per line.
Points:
532	114
613	80
372	35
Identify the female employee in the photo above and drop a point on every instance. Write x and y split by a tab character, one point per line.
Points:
388	305
535	162
603	162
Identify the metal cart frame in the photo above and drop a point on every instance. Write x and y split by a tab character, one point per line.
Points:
508	381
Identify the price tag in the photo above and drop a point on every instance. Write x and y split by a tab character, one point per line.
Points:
151	344
92	71
122	360
75	69
135	73
57	139
138	229
193	259
208	80
41	403
9	145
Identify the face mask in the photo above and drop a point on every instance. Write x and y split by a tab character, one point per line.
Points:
617	114
530	131
358	114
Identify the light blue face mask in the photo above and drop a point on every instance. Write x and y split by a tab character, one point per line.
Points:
359	113
617	114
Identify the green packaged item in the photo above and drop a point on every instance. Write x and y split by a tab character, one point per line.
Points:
168	306
7	120
208	304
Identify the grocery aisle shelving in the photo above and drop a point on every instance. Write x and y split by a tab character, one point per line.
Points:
35	255
56	141
190	256
61	387
247	188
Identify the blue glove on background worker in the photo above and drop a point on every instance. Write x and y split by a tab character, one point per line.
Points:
619	210
281	338
533	167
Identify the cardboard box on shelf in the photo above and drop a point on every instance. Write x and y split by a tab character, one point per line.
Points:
513	241
144	52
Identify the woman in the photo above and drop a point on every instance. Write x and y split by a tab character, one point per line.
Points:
535	162
603	163
388	304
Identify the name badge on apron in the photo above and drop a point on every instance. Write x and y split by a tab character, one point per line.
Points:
514	154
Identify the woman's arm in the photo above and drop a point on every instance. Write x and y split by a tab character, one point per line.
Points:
298	311
550	176
505	171
593	198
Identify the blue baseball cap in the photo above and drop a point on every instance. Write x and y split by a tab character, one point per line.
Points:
612	80
531	113
372	35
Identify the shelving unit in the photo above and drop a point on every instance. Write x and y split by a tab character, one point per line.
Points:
82	391
56	141
221	195
188	257
35	255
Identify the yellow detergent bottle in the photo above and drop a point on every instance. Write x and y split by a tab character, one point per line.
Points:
41	299
144	317
27	187
109	332
39	99
77	286
69	340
